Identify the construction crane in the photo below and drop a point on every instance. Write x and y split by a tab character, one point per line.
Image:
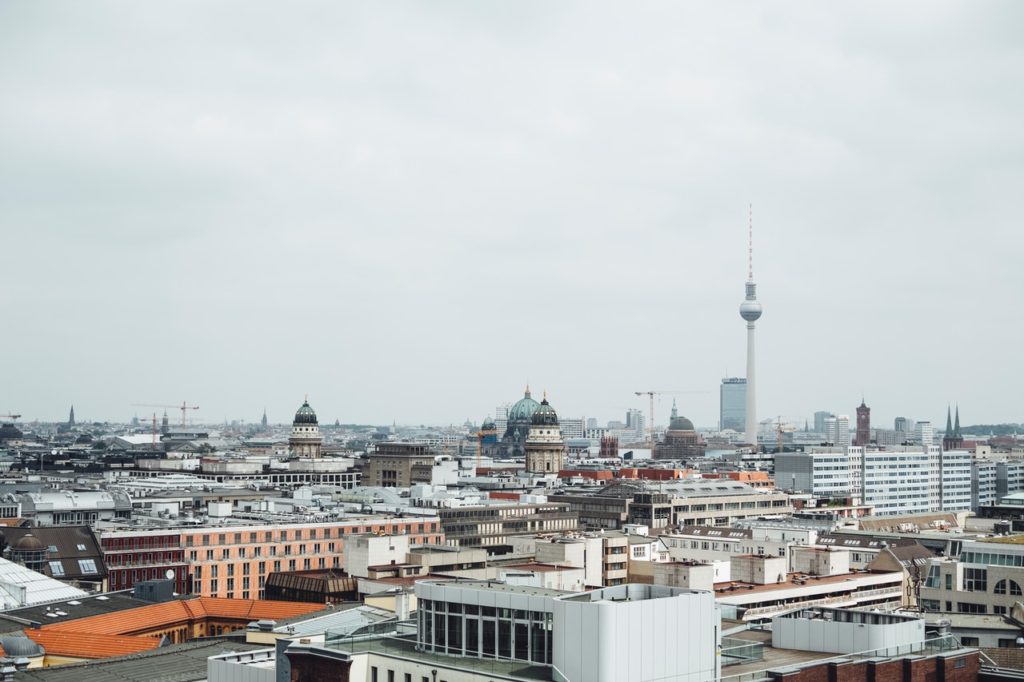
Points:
783	426
184	407
12	417
650	415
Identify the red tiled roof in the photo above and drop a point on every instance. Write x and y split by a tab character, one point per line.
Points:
89	644
156	616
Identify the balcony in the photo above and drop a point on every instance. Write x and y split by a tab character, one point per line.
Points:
841	600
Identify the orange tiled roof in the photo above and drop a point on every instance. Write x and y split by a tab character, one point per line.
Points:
89	644
156	616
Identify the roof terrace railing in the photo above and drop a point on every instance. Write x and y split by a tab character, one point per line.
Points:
931	646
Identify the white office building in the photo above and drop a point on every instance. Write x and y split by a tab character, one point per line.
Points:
897	482
614	634
923	433
955	480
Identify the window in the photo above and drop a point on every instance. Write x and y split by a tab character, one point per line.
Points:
56	569
976	579
80	547
968	607
87	565
1001	587
52	549
969	641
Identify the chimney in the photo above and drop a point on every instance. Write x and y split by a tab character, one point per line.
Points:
402	606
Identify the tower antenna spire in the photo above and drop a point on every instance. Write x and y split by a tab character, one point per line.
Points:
750	244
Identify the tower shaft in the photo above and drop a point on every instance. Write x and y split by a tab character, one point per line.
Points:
751	397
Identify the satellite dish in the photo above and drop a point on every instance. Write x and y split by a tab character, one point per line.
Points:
170	574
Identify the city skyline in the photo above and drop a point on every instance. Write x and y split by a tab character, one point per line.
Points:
663	407
413	227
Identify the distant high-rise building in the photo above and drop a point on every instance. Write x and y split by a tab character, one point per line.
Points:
830	428
923	433
571	428
732	404
819	420
904	424
591	423
501	418
863	425
635	421
750	310
71	417
843	431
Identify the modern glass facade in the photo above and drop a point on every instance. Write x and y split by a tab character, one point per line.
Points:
733	404
484	631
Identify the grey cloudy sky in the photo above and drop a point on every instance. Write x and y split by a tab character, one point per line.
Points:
408	210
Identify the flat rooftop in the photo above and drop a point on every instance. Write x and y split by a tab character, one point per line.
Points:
495	586
405	648
795	580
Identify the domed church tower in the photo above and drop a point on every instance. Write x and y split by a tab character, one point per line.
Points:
545	451
519	419
305	440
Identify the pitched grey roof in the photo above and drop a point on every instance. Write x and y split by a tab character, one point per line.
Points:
175	663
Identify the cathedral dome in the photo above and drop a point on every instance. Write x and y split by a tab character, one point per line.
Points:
524	409
305	414
545	415
680	424
488	425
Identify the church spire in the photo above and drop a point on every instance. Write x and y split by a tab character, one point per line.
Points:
675	412
949	421
956	426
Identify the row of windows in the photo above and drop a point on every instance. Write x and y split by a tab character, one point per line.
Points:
85	566
313	533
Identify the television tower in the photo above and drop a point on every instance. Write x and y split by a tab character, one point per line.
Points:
750	310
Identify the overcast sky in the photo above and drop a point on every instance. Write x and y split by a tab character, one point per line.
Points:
408	211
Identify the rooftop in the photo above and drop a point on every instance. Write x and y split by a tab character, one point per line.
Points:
153	616
405	648
176	663
73	609
798	580
495	586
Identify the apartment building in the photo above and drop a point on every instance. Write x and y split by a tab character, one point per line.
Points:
494	525
897	480
706	543
986	578
234	561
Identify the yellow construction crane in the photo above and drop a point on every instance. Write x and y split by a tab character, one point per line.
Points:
782	426
183	407
650	414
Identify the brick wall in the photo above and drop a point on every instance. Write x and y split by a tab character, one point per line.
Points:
933	669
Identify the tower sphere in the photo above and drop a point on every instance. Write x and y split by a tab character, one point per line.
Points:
750	311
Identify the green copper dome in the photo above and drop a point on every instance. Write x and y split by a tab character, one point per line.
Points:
545	415
305	414
523	410
681	424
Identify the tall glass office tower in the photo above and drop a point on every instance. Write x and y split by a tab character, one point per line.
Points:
732	404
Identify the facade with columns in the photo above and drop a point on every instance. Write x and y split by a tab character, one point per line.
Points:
545	450
305	440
